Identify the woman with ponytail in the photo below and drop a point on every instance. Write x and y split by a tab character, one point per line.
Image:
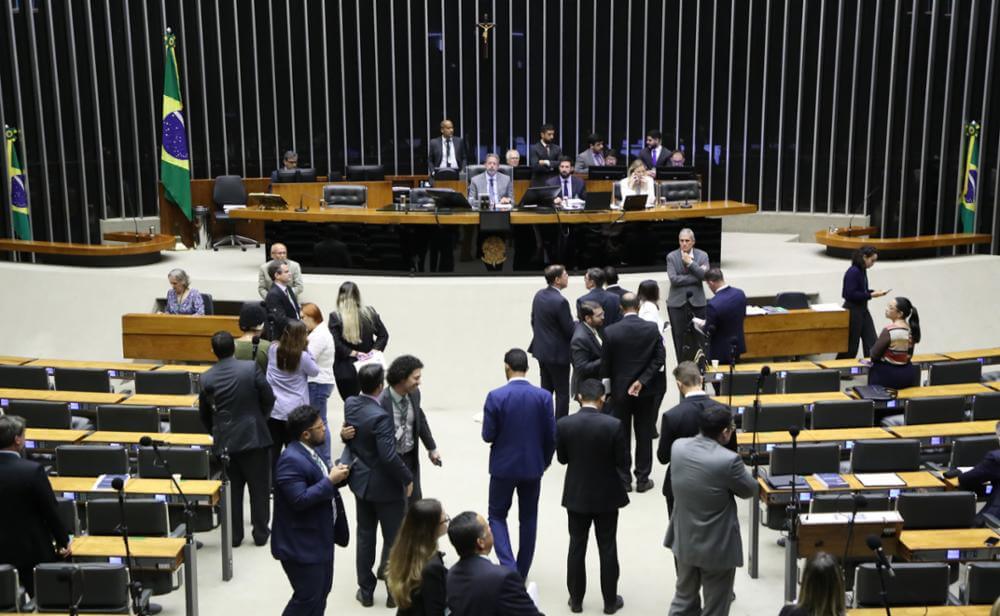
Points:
893	350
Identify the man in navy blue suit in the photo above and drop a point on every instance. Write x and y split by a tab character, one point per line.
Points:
477	587
724	318
593	279
518	422
987	471
305	516
570	186
552	330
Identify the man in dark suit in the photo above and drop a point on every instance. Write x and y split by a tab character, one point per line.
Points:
593	447
306	514
446	151
585	347
987	471
235	402
28	514
593	279
631	357
401	399
477	587
611	282
379	478
519	425
570	186
682	420
724	318
654	155
552	329
281	302
544	155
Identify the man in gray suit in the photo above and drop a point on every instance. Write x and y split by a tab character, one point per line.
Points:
593	156
686	269
490	183
235	402
704	532
279	252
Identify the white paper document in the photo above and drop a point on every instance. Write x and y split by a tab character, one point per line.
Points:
826	307
871	480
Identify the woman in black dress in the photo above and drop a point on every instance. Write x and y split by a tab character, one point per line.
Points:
415	575
856	295
357	331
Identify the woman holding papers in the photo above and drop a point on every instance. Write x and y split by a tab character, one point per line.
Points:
893	350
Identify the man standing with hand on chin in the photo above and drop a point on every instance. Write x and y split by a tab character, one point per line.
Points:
686	269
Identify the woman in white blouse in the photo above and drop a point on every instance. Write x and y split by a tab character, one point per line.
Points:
638	182
649	310
322	350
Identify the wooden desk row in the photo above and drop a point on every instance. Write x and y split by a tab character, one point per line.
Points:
850	435
93	398
741	403
47	438
929	610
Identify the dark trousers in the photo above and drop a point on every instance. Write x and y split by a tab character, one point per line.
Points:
555	378
279	438
501	498
861	327
412	461
637	412
678	325
251	468
389	516
606	530
311	584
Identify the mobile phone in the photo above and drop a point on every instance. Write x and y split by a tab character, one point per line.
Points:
991	541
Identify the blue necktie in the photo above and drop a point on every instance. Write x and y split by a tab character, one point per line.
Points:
493	192
566	188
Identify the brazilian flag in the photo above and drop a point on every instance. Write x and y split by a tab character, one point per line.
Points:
175	170
18	194
971	184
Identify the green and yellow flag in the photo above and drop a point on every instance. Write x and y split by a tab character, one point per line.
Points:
175	170
18	194
971	187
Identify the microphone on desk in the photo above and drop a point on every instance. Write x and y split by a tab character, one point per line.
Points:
118	484
765	372
794	431
146	441
875	545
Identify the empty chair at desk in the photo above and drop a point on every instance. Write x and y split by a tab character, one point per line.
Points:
128	418
885	455
82	379
10	592
828	414
774	417
792	300
186	421
986	406
674	191
913	584
955	372
365	173
146	517
208	304
934	410
809	458
24	377
345	195
68	515
91	461
970	450
927	510
809	381
229	190
745	384
163	383
100	587
42	413
843	502
446	173
982	583
184	461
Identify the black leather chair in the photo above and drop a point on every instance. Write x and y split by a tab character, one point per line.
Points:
365	173
146	517
970	450
792	300
472	171
82	379
345	195
447	174
185	421
932	510
24	377
809	381
68	515
10	589
912	584
843	414
745	383
955	372
885	455
674	191
189	463
774	417
986	406
208	303
229	190
128	418
934	410
809	458
42	413
163	383
831	502
99	587
982	583
91	461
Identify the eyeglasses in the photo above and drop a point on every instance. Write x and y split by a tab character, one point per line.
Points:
319	426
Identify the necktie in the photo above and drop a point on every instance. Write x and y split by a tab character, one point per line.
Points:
598	160
291	300
447	153
654	156
404	408
493	192
566	188
318	460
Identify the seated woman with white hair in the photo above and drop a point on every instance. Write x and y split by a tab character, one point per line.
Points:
181	298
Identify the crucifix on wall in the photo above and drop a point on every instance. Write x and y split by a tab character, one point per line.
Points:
485	25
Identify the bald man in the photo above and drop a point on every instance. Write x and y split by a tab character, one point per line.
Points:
279	252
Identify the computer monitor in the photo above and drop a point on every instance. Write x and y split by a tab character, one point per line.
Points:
676	173
595	201
448	199
606	173
307	174
287	175
542	196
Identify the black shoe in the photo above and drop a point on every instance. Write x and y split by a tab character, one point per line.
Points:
389	601
154	608
237	542
781	541
575	606
198	544
619	604
259	541
644	486
628	487
365	599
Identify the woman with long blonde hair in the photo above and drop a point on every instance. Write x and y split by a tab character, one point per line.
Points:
822	592
415	575
638	182
357	331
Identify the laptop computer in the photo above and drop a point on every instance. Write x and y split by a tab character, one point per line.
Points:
596	201
634	203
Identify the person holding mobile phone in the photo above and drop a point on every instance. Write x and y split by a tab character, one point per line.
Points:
856	294
893	350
